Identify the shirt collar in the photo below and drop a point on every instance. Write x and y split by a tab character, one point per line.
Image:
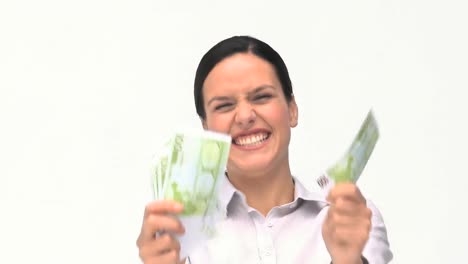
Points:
228	192
300	192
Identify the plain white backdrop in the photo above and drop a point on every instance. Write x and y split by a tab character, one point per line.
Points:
89	89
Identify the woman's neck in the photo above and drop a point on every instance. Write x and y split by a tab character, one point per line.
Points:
265	191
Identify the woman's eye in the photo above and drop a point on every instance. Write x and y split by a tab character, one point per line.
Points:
223	106
262	97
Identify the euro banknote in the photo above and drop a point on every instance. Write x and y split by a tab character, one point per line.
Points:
352	163
190	169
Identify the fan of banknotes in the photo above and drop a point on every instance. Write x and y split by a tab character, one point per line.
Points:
189	170
352	163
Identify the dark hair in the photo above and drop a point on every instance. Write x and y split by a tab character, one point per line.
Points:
229	47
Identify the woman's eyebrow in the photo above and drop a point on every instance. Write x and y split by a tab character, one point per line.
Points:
218	98
261	88
226	98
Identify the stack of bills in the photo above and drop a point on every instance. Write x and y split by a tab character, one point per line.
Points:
189	170
350	166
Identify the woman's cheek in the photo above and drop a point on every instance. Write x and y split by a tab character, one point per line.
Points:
218	123
223	125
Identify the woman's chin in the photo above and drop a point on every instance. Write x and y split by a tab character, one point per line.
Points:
250	169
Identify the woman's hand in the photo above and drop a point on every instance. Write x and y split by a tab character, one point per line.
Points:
155	243
348	223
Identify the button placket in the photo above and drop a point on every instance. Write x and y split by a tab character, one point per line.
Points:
265	246
268	249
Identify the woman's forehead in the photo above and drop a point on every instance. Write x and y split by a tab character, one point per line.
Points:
241	72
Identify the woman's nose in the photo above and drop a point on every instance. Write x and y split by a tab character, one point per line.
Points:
245	115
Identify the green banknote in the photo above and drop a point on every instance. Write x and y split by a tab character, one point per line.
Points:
351	165
196	163
189	169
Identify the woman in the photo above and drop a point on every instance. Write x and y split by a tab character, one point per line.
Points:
242	88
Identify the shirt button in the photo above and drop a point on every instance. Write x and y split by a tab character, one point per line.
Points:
268	253
270	224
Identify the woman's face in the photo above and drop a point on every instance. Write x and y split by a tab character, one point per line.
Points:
243	97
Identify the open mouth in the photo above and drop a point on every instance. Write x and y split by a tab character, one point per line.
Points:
251	140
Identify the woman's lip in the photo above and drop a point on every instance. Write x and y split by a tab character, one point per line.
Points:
250	132
252	147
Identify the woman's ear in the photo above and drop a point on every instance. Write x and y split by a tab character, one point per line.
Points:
203	121
293	112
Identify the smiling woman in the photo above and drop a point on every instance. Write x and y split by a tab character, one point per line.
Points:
242	88
245	99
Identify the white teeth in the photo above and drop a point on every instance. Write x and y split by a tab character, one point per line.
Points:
251	139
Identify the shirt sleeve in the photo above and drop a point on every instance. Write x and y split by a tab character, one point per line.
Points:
377	249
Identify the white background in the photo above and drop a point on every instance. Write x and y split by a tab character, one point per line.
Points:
89	89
